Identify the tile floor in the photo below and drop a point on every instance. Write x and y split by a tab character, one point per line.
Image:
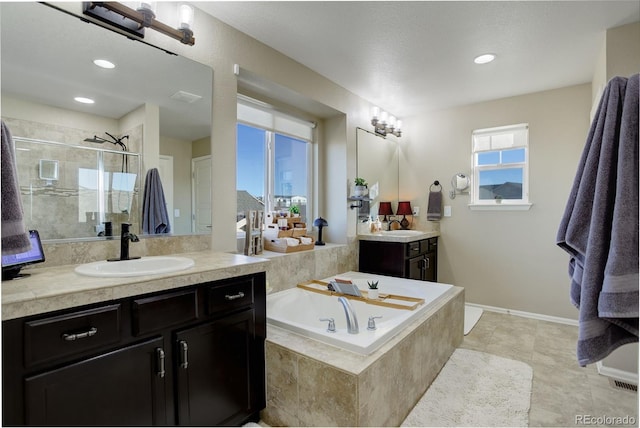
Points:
562	389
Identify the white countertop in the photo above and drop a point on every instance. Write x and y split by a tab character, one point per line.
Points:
381	236
54	288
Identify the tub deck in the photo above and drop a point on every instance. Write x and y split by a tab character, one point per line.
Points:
310	383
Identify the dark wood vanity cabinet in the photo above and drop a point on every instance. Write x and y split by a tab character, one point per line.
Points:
192	356
413	260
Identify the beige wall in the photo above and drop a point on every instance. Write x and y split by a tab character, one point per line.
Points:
180	150
506	259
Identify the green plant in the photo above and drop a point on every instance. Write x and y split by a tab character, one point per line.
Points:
373	285
293	209
360	182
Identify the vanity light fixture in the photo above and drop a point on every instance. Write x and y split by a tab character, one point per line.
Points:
384	123
484	58
134	21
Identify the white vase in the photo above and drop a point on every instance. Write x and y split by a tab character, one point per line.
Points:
373	293
360	190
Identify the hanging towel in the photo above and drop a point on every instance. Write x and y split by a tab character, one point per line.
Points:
155	218
599	228
434	210
15	237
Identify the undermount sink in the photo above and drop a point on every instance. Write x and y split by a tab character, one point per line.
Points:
136	267
403	232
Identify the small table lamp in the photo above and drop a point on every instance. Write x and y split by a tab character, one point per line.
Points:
385	210
320	223
404	209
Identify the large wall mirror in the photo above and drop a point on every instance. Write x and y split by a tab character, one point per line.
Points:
161	101
378	164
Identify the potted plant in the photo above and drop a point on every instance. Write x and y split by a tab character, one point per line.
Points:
294	211
498	199
361	187
373	290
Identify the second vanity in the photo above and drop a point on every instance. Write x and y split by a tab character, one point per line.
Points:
185	348
406	254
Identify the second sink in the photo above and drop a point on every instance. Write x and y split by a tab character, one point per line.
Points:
138	267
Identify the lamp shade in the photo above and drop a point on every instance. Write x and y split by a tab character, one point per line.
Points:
385	208
404	208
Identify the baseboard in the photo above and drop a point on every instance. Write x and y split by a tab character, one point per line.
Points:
618	374
523	314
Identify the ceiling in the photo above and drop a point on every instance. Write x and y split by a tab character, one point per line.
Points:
416	56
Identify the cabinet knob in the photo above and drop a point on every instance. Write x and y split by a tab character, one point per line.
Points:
160	360
75	336
240	295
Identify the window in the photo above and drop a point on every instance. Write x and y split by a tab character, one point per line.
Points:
501	167
273	160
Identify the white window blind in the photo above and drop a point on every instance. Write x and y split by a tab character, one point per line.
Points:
256	113
505	137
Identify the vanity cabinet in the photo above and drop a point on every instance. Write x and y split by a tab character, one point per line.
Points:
413	260
191	356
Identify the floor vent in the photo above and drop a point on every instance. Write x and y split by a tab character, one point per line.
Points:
623	385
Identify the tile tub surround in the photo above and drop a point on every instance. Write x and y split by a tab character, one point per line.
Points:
313	384
54	288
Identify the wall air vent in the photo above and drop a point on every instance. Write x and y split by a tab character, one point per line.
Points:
618	384
185	97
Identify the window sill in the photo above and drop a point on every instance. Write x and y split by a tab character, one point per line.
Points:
500	207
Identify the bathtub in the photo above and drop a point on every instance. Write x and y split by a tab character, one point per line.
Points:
300	310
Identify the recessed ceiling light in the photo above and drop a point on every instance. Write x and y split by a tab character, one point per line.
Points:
484	59
104	63
84	100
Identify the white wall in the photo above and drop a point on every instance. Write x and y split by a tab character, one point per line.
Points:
503	258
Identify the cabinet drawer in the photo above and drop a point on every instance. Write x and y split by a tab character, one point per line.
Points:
413	249
64	335
230	296
155	313
428	245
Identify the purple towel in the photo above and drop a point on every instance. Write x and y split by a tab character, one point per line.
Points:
15	237
599	228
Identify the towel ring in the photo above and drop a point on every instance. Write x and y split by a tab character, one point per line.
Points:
435	183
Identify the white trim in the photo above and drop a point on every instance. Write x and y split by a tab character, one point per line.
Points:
618	374
523	314
500	207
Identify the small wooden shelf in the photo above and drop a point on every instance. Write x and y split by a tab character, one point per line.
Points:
383	300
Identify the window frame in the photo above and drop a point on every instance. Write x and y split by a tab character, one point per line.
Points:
520	139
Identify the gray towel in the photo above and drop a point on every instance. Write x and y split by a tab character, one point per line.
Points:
15	236
599	228
155	218
434	210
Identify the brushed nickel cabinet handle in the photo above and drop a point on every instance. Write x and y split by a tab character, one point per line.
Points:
240	295
160	357
184	348
69	337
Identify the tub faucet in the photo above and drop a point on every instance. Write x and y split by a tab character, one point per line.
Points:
125	238
352	321
391	222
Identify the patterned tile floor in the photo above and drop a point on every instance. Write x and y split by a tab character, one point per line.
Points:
563	393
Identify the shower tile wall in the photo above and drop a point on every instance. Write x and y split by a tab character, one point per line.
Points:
55	208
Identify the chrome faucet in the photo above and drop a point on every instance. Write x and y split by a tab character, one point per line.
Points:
391	222
352	321
125	238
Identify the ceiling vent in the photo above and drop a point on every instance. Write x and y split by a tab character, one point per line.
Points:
185	97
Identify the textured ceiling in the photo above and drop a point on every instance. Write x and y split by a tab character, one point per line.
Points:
410	57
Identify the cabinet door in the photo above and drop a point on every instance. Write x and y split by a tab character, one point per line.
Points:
214	370
123	387
416	266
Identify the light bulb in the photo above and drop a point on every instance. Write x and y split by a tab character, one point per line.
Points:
375	112
185	13
383	117
392	121
398	125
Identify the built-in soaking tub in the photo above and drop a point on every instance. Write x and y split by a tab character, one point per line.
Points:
300	311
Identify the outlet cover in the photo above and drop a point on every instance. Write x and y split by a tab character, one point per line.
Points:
447	210
416	211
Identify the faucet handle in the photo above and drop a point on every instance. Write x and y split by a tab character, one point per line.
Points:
371	325
331	328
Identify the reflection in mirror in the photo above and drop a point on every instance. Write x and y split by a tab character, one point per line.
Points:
377	163
47	60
